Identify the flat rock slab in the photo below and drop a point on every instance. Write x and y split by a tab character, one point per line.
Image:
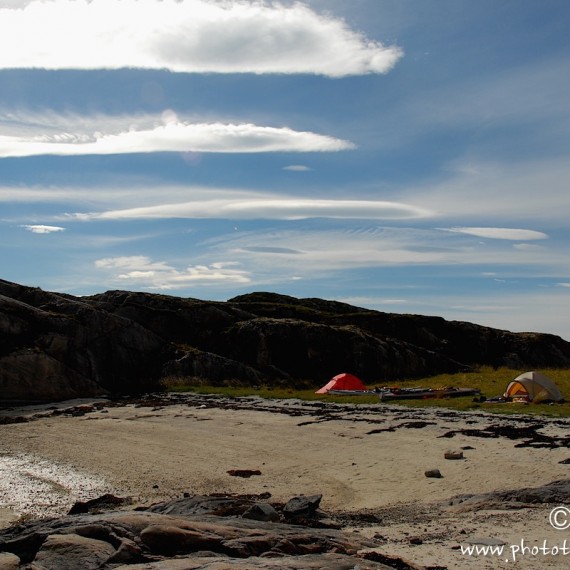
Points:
555	492
144	539
71	551
329	561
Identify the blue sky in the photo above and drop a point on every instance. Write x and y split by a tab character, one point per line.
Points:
409	156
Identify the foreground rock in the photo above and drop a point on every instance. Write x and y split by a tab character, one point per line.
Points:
557	492
190	536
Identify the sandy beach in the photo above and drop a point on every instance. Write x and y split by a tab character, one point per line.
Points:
365	460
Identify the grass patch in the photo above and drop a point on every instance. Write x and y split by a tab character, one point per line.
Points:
491	382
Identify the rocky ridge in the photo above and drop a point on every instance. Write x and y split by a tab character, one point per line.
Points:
56	346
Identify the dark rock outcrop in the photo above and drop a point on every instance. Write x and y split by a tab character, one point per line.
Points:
556	492
56	346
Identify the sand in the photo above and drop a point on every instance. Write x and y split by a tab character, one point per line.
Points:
361	458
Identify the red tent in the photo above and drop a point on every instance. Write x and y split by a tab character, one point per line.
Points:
343	381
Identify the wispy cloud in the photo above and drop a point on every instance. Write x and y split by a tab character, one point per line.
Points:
39	229
270	257
529	191
311	251
500	233
265	206
143	271
297	168
204	36
74	136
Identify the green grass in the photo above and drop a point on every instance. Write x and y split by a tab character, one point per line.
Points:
491	382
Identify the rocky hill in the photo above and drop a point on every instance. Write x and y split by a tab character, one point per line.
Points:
55	346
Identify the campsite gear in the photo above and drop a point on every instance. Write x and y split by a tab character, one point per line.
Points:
334	392
343	383
533	387
387	394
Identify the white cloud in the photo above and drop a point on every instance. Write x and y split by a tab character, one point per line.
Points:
73	136
132	263
297	168
143	271
527	246
500	233
202	36
39	229
266	207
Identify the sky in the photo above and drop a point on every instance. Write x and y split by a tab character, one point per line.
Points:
407	156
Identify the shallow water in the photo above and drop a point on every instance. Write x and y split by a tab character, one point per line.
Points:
31	485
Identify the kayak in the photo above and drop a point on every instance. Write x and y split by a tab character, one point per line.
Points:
425	393
352	392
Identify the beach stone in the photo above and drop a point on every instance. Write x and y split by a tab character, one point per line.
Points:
302	506
71	551
103	503
245	473
261	512
433	473
450	454
9	561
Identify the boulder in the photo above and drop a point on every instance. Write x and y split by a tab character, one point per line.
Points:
302	506
71	551
9	561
